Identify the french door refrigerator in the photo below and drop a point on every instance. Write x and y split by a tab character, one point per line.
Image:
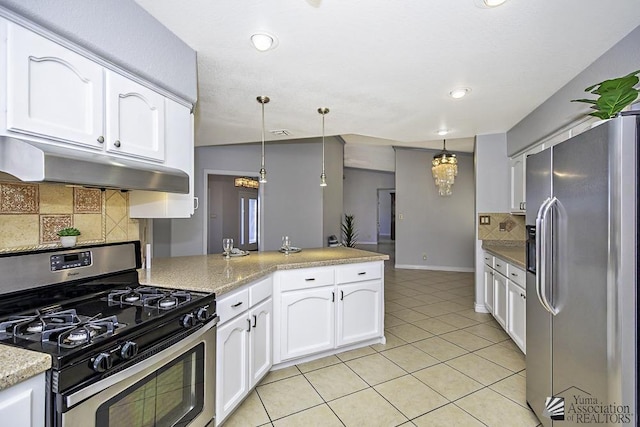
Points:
582	225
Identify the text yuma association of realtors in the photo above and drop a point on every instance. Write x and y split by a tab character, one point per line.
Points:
588	410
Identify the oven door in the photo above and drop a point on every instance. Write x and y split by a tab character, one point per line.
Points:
175	387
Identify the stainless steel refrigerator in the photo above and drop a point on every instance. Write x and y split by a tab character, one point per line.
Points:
582	248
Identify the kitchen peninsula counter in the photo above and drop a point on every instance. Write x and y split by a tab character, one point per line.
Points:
213	273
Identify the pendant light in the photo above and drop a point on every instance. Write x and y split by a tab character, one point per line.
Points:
444	168
323	177
263	172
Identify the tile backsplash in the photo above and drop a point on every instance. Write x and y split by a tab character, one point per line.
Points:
502	226
32	214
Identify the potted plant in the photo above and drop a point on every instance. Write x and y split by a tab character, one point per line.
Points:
68	236
349	232
613	95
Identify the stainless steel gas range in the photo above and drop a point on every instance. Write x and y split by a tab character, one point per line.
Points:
122	354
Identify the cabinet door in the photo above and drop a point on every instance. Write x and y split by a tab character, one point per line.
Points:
23	404
488	288
500	299
517	314
52	91
179	145
307	319
135	119
359	312
231	365
517	176
260	341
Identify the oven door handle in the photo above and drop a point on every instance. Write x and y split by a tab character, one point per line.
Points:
144	367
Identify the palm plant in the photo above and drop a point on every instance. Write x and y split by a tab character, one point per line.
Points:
349	232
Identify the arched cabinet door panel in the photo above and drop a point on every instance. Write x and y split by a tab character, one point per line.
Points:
52	92
135	117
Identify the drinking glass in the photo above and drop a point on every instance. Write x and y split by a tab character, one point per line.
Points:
227	246
286	244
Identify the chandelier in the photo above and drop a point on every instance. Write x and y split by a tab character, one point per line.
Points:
444	169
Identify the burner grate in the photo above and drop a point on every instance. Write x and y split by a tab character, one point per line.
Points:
145	296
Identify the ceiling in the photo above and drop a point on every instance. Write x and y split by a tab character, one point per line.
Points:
385	67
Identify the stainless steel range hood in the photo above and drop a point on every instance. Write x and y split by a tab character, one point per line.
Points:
30	161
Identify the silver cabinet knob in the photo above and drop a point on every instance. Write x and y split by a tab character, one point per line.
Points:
117	143
101	139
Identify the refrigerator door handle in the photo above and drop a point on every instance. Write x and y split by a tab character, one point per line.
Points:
540	244
543	279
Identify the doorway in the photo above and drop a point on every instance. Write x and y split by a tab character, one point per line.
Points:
386	214
231	212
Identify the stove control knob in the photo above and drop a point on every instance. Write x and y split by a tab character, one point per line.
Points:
189	320
202	314
102	362
128	350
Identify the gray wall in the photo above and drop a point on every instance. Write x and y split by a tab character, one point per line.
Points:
361	199
384	211
441	227
558	112
293	201
121	32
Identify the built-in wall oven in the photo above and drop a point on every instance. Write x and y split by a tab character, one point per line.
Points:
122	354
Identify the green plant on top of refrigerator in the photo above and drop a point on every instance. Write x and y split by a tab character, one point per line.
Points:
613	95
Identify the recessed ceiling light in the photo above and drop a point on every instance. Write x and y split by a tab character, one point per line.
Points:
443	132
264	41
493	3
459	92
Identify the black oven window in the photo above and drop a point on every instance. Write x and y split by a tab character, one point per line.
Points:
171	396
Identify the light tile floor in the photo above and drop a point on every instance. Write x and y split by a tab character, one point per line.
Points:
443	365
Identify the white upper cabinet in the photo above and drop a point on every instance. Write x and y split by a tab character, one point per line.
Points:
134	118
516	174
52	91
59	96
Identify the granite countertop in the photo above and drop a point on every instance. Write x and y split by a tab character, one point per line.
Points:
213	273
512	253
19	364
208	273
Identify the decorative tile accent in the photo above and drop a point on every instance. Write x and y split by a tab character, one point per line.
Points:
502	227
87	200
19	198
51	224
117	220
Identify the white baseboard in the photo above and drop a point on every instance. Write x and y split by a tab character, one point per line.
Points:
365	243
436	267
481	308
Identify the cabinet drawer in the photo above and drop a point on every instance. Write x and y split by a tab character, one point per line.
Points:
500	266
358	272
489	259
306	278
229	306
517	276
260	291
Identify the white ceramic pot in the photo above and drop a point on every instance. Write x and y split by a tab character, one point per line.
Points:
68	241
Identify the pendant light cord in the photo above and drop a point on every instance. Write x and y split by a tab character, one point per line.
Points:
262	165
323	143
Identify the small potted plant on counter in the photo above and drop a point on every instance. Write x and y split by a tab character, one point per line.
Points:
68	236
349	232
613	96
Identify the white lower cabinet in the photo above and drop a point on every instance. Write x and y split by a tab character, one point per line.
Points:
244	345
517	314
306	321
488	288
321	309
500	298
22	405
359	312
505	297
